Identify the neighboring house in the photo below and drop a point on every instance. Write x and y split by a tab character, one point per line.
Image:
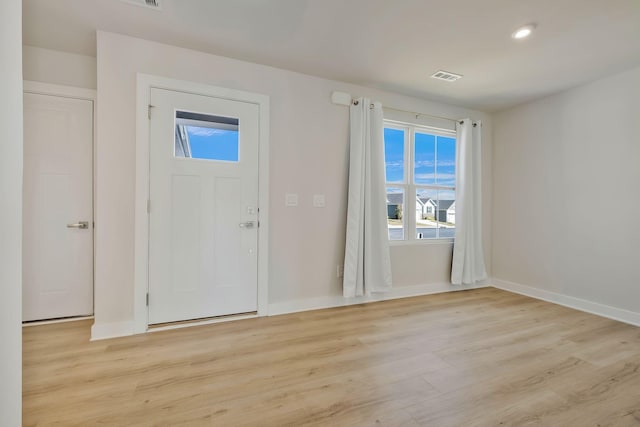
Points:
446	211
451	213
427	208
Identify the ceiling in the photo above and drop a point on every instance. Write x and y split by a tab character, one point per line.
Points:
392	45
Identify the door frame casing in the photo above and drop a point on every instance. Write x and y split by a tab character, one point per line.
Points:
72	92
144	84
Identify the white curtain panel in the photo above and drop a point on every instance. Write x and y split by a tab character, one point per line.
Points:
468	259
367	264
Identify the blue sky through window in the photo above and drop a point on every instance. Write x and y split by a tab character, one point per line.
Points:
435	158
425	159
394	154
432	180
213	144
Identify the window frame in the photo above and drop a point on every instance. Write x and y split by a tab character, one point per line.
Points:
408	185
184	119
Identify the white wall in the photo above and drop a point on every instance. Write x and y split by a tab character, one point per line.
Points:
56	67
309	155
554	159
11	213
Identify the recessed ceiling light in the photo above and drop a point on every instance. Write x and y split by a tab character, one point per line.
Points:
523	32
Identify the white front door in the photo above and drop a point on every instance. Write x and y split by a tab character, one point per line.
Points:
57	207
203	237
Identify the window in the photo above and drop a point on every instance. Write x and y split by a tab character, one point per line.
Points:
202	136
420	164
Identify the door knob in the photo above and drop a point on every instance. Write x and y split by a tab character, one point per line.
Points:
248	224
82	225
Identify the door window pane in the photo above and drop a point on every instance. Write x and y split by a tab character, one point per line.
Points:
207	137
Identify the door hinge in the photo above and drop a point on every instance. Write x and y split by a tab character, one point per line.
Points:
147	299
148	206
149	111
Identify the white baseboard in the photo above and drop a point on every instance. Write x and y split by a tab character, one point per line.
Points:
54	321
339	301
619	314
119	329
102	331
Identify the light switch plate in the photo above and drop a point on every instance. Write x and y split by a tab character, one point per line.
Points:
291	199
318	201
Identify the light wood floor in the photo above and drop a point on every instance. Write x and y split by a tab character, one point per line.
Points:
475	358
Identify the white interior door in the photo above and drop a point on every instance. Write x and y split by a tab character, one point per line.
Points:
203	238
57	207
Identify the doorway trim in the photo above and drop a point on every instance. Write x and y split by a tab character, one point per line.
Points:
50	89
145	82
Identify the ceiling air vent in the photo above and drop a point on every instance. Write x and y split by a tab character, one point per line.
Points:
152	4
446	76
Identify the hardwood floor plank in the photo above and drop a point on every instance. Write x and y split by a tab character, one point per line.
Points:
473	358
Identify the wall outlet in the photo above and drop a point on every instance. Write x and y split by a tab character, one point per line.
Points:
340	271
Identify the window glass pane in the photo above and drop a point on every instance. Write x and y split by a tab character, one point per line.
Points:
431	191
446	214
202	136
446	161
425	158
394	154
426	204
395	213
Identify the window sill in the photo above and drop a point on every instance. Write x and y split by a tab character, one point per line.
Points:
421	242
